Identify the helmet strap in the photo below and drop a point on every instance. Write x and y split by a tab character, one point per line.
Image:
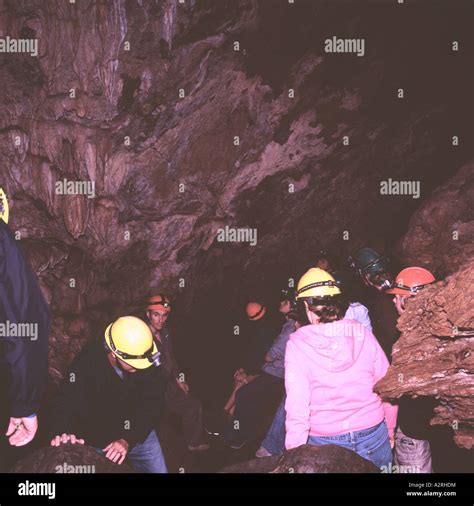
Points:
316	285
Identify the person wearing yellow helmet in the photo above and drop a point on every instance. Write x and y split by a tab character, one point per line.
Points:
131	344
318	291
274	442
178	399
331	367
112	397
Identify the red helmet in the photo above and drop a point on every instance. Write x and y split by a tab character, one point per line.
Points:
410	280
159	300
255	311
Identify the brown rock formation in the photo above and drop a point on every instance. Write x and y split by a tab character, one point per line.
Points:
68	459
182	131
145	100
440	234
435	353
307	459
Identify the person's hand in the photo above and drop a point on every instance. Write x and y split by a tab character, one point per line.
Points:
392	441
184	386
239	384
240	376
116	451
238	373
22	430
66	438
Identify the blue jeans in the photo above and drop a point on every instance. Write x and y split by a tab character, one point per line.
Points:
274	441
146	457
372	444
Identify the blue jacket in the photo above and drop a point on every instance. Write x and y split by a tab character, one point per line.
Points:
277	352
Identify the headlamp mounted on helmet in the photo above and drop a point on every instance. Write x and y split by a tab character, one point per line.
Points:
161	301
316	285
411	289
380	279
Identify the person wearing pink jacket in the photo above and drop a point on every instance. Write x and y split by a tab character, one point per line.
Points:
331	367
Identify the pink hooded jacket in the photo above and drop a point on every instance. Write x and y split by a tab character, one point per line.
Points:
330	372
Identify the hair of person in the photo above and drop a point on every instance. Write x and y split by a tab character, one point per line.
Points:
297	314
324	255
328	309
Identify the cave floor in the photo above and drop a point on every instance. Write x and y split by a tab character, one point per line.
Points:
180	460
447	457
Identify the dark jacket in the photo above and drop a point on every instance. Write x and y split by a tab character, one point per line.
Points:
413	414
259	338
23	360
384	316
95	404
277	351
170	370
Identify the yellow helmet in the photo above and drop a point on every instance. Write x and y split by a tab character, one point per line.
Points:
4	208
130	339
317	283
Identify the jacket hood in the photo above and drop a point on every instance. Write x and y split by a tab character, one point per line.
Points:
333	346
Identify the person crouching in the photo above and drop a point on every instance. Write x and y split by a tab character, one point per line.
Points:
112	396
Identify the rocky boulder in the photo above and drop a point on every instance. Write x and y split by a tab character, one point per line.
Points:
307	459
435	353
68	459
440	234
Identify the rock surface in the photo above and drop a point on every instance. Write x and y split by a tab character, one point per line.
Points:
440	234
190	117
68	459
435	353
146	100
308	459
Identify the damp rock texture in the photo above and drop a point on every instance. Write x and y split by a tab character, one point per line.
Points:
144	128
440	234
435	354
68	459
308	459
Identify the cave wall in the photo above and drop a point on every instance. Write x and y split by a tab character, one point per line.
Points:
440	234
145	100
435	353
